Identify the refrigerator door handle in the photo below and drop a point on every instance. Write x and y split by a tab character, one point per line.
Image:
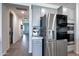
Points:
53	35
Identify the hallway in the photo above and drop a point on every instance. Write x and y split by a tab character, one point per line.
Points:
20	48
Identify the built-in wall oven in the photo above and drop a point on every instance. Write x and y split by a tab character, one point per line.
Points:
61	27
70	32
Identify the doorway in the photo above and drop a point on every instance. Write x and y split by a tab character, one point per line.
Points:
16	14
11	28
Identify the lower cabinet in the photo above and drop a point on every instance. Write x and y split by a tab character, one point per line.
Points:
37	47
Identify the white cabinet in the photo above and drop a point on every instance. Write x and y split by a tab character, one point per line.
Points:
37	46
69	12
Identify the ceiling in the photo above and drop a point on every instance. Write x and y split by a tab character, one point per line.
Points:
25	14
68	5
18	10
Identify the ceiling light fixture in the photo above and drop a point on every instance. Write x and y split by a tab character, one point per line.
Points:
43	11
65	9
22	12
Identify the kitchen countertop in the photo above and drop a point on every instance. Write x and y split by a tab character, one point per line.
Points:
37	37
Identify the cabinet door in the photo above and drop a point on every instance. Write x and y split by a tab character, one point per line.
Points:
37	48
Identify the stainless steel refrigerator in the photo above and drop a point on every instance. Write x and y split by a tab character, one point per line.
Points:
53	28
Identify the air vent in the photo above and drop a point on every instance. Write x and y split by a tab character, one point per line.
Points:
21	9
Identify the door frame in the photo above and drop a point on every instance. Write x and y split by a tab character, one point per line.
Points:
11	34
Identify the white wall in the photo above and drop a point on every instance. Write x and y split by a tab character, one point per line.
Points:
20	30
16	24
0	29
16	35
77	28
5	28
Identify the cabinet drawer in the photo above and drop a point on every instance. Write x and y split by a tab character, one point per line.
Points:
37	41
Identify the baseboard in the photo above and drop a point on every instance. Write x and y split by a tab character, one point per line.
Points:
4	53
0	53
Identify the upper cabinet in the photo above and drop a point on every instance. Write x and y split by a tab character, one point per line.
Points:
60	10
36	15
67	11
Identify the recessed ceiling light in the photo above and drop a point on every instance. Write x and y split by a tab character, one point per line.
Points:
65	9
43	10
22	12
